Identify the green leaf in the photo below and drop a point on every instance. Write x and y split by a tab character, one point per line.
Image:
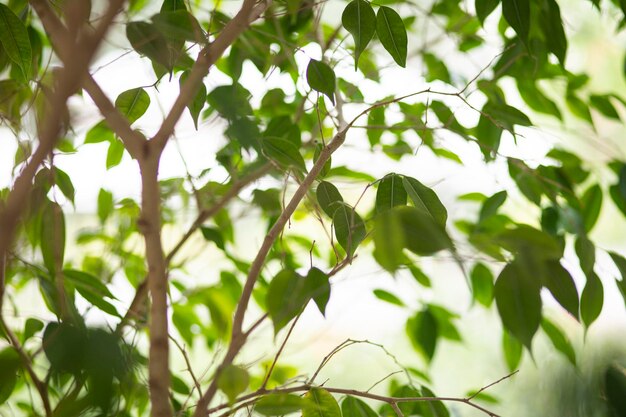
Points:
212	234
115	153
388	297
425	200
491	205
10	363
52	236
31	327
179	25
562	287
286	296
105	204
392	34
318	287
432	408
586	252
147	40
64	345
437	70
488	135
359	19
518	299
279	404
197	104
526	239
552	27
169	5
376	120
233	380
389	241
603	105
232	102
349	228
133	103
422	234
321	78
15	41
591	204
85	282
512	351
614	389
99	133
592	299
482	284
390	193
321	404
283	152
559	340
354	407
620	263
484	8
327	197
517	15
422	330
506	116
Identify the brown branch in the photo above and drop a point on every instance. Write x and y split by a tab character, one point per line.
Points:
280	351
471	397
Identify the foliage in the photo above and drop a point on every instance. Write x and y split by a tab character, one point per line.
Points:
65	365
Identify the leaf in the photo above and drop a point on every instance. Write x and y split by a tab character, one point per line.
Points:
620	263
318	287
279	404
517	15
10	363
232	102
552	27
197	104
390	193
178	25
147	40
321	404
591	299
614	389
169	5
484	8
15	41
212	234
519	302
506	116
422	330
436	69
321	78
603	105
591	204
526	239
389	241
359	19
488	135
586	252
422	235
31	327
85	282
283	152
52	236
354	407
482	284
233	380
327	197
432	408
64	345
133	103
425	199
491	205
559	340
349	228
105	204
562	287
114	154
388	297
392	34
376	120
286	296
512	351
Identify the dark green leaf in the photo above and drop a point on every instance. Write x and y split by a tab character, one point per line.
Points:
559	340
133	103
591	300
422	234
491	205
614	389
349	228
432	408
197	104
169	5
392	34
390	193
327	197
488	135
318	287
506	116
518	299
9	365
233	380
354	407
52	236
591	204
85	282
64	345
279	404
389	241
423	332
286	296
15	41
512	351
482	284
283	152
620	263
388	297
603	105
232	102
214	235
425	200
517	15
586	252
484	8
178	25
552	27
321	78
31	327
359	19
321	403
526	239
562	287
147	40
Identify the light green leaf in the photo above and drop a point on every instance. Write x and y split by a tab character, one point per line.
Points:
321	78
354	407
133	103
482	284
52	236
603	104
359	19
388	297
328	197
392	34
390	193
591	204
283	152
115	153
15	41
349	228
425	199
233	380
491	205
559	340
105	204
99	133
321	404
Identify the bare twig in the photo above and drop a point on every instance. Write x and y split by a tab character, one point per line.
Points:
471	397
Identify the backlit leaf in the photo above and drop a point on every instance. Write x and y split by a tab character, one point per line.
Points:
392	34
327	197
321	403
233	380
15	41
390	193
349	228
321	78
425	200
133	103
517	15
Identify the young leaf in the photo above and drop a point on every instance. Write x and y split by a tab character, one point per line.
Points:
517	15
354	407
359	19
392	34
390	193
482	284
133	103
321	78
321	404
491	205
115	153
15	41
105	204
233	380
425	199
559	340
519	302
327	197
591	299
279	404
349	228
